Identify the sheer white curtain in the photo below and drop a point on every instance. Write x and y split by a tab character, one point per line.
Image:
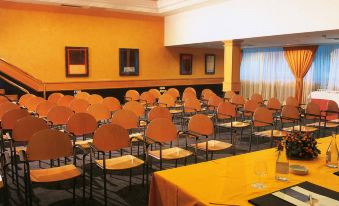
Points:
333	81
324	71
265	71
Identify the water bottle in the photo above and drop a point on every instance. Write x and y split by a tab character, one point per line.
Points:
282	165
332	154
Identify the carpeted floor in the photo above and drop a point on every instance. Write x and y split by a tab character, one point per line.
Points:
117	182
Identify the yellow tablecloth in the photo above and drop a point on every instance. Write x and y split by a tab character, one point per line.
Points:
229	180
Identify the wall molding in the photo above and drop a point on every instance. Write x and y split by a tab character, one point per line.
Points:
40	86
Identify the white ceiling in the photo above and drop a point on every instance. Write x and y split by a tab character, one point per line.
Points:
150	7
312	38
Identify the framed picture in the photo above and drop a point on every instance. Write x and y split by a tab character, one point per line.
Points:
186	64
209	64
76	61
129	62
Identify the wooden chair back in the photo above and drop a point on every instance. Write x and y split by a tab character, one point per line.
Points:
43	108
262	117
54	97
290	111
274	104
7	106
251	106
110	137
192	105
238	100
214	101
173	92
82	95
132	95
312	109
95	99
81	124
135	107
257	98
125	118
201	124
166	100
226	110
206	94
292	101
59	115
24	99
49	144
111	103
10	118
159	112
161	130
147	98
65	100
156	93
26	127
79	105
33	103
99	112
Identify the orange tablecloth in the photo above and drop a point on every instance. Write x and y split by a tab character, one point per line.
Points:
229	180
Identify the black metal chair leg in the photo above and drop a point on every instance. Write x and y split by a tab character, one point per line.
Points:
105	189
74	184
130	179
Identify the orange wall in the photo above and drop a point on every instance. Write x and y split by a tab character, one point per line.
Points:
34	38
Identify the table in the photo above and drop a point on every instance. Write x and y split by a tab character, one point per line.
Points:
229	180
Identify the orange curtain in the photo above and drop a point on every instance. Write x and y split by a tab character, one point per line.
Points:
299	59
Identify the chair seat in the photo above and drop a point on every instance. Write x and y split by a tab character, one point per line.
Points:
268	133
171	153
322	124
175	111
234	124
84	143
142	123
137	136
120	163
302	129
213	145
20	148
55	174
335	120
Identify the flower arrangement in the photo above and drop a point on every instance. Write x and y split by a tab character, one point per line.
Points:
301	146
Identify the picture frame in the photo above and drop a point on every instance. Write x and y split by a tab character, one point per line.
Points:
186	64
128	62
209	63
76	59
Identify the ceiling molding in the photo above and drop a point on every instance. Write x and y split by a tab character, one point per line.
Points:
151	7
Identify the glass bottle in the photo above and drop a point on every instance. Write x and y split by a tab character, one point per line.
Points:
332	154
282	164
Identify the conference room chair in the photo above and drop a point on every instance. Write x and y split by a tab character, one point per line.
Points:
130	121
229	95
24	99
166	100
190	90
147	99
249	108
43	108
82	95
100	113
294	102
81	125
95	99
174	93
213	103
132	95
7	106
238	101
162	132
138	109
263	125
313	113
205	95
112	137
54	97
22	132
65	100
331	114
274	105
48	144
155	92
226	117
112	104
159	112
79	105
291	115
190	108
257	98
200	125
33	103
188	94
58	116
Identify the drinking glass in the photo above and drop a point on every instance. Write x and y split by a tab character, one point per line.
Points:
260	170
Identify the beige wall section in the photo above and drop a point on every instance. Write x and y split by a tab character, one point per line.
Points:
232	56
34	38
